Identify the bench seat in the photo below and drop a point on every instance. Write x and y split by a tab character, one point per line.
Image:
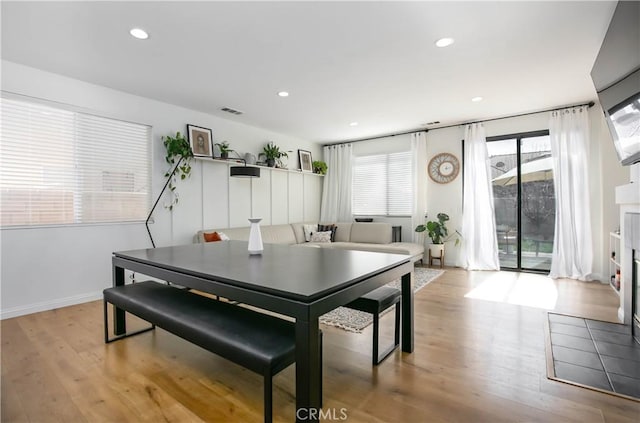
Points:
375	302
256	341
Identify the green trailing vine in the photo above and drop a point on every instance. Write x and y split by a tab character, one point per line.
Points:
177	148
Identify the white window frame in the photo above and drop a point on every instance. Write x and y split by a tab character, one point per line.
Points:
92	145
392	172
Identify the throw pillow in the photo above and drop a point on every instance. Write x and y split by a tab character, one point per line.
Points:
308	230
321	236
332	228
212	237
223	236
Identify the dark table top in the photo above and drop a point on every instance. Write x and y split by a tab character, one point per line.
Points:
301	273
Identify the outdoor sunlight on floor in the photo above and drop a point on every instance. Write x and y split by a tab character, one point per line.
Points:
515	288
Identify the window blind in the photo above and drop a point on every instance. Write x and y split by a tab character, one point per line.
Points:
66	167
382	185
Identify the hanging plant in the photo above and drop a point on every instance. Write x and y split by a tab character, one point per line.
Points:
179	157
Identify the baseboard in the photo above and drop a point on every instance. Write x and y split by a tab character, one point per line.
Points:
49	305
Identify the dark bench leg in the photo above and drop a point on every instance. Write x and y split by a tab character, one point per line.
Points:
268	388
125	335
268	398
397	332
321	372
377	359
376	324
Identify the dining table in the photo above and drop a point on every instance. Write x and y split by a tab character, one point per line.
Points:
300	282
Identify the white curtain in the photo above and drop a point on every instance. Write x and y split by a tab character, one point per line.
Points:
336	193
419	168
479	241
572	246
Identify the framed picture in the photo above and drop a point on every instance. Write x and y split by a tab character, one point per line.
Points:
200	140
305	160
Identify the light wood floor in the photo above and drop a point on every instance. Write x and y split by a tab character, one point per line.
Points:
475	360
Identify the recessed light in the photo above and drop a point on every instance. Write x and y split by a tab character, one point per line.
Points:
283	94
353	124
138	33
476	99
444	42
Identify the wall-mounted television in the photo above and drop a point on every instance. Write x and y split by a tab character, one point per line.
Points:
616	77
624	124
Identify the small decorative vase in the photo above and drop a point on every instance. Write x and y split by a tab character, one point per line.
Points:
250	159
224	155
255	237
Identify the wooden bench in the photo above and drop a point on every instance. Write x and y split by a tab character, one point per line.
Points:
259	342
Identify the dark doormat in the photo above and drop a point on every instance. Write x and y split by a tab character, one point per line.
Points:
593	354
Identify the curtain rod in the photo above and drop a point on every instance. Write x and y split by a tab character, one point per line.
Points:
375	138
590	104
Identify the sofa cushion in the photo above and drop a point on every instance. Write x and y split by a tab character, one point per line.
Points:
278	234
331	228
312	244
212	237
321	237
406	248
298	231
309	229
371	233
343	232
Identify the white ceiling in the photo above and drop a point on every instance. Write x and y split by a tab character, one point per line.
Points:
370	62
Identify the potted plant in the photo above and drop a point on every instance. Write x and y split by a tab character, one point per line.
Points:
319	167
179	156
272	153
224	149
439	234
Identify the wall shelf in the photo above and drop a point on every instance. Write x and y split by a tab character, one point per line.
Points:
236	162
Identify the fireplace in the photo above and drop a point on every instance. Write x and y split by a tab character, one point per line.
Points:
632	266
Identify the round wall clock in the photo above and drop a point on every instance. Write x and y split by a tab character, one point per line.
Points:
443	168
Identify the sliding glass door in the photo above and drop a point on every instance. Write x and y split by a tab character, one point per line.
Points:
524	199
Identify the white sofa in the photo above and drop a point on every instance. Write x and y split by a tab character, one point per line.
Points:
349	236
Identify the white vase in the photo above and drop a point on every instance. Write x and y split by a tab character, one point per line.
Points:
255	237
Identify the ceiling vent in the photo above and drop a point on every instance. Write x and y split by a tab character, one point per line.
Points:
232	111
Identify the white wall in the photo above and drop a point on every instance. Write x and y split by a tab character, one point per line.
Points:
44	268
447	198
